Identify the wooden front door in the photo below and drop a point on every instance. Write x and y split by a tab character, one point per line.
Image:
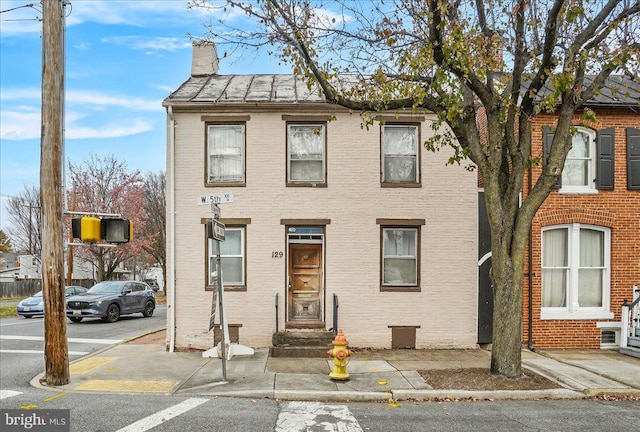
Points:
305	283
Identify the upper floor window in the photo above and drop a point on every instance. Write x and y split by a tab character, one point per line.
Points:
225	153
590	164
579	168
400	154
306	153
575	272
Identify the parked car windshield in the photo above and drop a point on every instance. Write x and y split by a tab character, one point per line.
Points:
106	288
38	294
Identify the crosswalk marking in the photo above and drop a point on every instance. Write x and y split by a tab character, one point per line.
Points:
303	416
162	416
71	340
4	394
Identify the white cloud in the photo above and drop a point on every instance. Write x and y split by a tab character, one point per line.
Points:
24	124
135	13
79	97
19	125
110	130
140	43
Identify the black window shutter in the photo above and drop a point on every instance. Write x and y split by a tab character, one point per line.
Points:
547	135
605	162
633	159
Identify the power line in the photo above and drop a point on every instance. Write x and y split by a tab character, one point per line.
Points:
30	5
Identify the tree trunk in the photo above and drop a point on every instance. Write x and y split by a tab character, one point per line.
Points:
507	315
56	352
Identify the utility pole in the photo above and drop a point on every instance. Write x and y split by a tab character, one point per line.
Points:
56	352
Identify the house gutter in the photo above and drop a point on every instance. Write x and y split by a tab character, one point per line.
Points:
530	278
171	188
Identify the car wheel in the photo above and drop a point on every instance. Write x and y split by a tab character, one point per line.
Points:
113	313
148	309
75	319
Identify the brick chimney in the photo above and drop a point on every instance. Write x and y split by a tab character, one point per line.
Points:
205	58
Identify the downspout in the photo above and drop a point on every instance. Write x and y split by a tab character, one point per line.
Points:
530	278
171	188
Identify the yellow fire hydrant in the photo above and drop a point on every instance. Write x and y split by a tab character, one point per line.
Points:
340	352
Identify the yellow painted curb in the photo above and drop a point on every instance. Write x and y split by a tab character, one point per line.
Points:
126	386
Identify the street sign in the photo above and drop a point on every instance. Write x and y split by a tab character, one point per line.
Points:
222	198
215	209
214	300
217	230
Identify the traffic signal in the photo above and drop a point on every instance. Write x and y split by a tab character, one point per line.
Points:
92	229
116	230
86	228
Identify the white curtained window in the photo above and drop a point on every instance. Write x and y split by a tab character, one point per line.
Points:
399	257
306	153
575	271
225	153
579	168
400	154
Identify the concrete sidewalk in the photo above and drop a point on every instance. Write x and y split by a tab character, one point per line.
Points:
377	375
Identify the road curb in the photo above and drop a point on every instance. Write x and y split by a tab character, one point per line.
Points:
486	394
618	392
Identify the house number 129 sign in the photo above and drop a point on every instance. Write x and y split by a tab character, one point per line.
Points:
277	254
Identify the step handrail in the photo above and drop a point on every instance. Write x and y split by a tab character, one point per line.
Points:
630	317
277	315
336	305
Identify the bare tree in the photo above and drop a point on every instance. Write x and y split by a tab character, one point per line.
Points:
445	56
25	221
105	185
154	220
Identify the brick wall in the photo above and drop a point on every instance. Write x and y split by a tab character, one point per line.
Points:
618	209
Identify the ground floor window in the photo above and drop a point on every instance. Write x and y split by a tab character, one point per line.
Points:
400	256
575	272
232	257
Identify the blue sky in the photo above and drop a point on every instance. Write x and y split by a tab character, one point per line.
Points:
123	58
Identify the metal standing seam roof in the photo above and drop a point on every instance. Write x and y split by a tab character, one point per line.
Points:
619	91
224	89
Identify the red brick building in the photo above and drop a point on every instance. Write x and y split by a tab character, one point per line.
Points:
585	249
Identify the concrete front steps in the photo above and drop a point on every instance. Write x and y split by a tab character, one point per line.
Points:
633	345
301	343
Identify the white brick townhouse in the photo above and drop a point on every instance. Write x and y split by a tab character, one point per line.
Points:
322	207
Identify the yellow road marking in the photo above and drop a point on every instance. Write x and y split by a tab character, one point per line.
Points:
26	407
126	386
89	364
54	397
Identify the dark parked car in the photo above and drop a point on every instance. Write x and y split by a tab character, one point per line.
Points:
34	305
110	299
153	284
